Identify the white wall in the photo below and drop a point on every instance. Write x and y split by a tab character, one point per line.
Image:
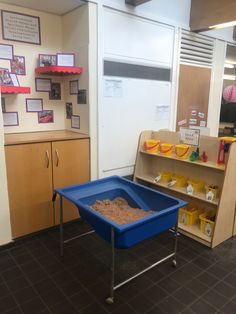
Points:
216	87
174	12
5	227
93	91
225	34
51	37
75	37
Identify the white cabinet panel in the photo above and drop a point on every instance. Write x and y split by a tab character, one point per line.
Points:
137	39
129	106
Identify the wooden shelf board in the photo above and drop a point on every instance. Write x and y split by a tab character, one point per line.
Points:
181	190
62	70
196	163
14	90
195	233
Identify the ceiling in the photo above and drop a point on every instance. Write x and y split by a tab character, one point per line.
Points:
58	7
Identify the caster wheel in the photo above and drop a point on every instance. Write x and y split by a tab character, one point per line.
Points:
174	263
109	300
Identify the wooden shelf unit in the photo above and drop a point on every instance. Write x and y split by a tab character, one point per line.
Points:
148	165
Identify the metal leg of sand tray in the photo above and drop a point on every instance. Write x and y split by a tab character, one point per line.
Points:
62	241
110	299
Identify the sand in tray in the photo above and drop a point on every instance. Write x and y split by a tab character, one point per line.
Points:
119	211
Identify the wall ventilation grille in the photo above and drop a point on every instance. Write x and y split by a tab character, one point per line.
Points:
196	49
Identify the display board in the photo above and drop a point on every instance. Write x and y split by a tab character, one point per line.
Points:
193	97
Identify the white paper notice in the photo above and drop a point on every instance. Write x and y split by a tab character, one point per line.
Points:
113	88
14	79
182	122
66	60
21	27
75	122
161	112
6	52
34	105
43	85
202	123
10	118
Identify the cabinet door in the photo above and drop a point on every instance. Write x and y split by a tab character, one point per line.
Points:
29	175
70	166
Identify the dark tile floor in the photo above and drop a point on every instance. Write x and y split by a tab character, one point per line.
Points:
35	279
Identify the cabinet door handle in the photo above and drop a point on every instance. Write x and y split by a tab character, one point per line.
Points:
47	156
57	157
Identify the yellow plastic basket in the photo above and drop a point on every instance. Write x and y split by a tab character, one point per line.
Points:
165	176
181	181
182	151
166	149
189	215
212	188
151	146
207	222
196	184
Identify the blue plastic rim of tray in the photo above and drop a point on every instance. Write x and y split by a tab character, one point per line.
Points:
137	195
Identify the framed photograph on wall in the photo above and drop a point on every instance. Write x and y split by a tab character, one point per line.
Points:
75	122
3	104
10	119
46	60
43	84
68	110
46	116
82	97
34	104
74	87
14	79
6	52
55	93
66	59
5	78
21	27
18	65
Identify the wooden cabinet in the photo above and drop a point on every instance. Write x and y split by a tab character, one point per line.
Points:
29	176
70	166
33	171
149	165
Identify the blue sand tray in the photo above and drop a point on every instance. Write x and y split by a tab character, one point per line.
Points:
126	235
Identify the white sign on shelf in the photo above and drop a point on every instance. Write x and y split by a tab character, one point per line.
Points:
189	136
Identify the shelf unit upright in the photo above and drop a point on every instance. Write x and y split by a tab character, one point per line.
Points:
148	165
